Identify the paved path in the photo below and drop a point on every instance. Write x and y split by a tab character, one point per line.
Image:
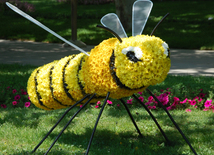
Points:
184	62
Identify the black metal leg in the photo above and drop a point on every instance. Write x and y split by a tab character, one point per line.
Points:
130	115
160	104
58	123
69	123
163	133
92	135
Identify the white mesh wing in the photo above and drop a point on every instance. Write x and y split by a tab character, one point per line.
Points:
140	14
43	26
112	21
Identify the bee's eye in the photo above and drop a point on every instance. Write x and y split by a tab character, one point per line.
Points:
131	56
166	49
133	53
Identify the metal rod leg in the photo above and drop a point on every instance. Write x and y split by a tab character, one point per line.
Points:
58	123
130	115
69	123
172	121
163	133
92	135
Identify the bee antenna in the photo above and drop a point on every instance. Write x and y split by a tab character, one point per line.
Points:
112	32
158	24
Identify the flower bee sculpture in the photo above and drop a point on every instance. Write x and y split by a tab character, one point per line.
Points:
121	68
118	67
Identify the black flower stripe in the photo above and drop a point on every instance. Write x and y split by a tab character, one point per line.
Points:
113	73
63	79
51	88
79	82
37	93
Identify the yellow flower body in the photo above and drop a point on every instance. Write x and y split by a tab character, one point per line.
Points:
119	68
31	88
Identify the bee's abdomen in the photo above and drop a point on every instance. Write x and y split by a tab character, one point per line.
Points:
32	90
44	90
56	85
39	88
69	80
60	92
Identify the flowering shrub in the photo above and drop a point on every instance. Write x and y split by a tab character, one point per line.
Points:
24	6
195	100
10	97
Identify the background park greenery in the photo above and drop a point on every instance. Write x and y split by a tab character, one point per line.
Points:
188	26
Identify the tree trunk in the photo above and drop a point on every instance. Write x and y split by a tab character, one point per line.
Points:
74	20
124	12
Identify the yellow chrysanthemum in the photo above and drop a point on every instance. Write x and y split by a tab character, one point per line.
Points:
95	72
58	84
31	88
151	68
43	87
119	68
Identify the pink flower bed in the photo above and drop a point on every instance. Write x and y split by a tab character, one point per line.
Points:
170	101
11	97
19	98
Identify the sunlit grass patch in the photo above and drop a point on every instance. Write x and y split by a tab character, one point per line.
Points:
22	129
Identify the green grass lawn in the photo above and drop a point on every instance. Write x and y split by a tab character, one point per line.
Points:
22	129
189	25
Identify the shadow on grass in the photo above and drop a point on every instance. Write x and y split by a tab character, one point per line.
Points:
194	130
106	142
127	141
54	152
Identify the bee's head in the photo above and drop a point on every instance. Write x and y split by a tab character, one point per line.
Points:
141	61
